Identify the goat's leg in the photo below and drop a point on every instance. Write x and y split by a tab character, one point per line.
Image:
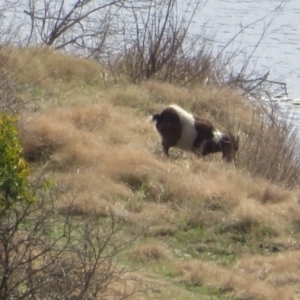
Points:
199	151
226	151
166	147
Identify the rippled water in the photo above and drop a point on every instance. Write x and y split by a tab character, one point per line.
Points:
279	49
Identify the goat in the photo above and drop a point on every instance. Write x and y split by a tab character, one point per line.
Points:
178	128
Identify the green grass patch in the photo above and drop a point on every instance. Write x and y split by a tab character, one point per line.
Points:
200	243
209	292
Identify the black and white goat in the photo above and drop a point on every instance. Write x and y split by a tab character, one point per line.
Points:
180	129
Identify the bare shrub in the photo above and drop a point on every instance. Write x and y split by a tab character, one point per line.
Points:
159	45
48	255
272	152
81	27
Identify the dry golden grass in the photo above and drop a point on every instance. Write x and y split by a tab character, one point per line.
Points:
242	284
104	158
152	250
98	146
50	69
99	154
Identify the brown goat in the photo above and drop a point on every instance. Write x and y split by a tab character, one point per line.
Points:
181	129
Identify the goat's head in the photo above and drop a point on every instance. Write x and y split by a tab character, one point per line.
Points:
229	146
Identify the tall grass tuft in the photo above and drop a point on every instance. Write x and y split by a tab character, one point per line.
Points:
271	151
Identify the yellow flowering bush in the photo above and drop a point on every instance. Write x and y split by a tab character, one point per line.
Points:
14	171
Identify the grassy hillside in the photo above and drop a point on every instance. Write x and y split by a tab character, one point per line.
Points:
204	229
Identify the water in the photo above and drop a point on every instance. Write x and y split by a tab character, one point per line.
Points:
277	22
279	49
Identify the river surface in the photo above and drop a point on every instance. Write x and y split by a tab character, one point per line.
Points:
277	23
271	25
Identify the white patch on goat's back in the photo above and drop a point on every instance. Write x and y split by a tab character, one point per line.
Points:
183	113
217	136
189	133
